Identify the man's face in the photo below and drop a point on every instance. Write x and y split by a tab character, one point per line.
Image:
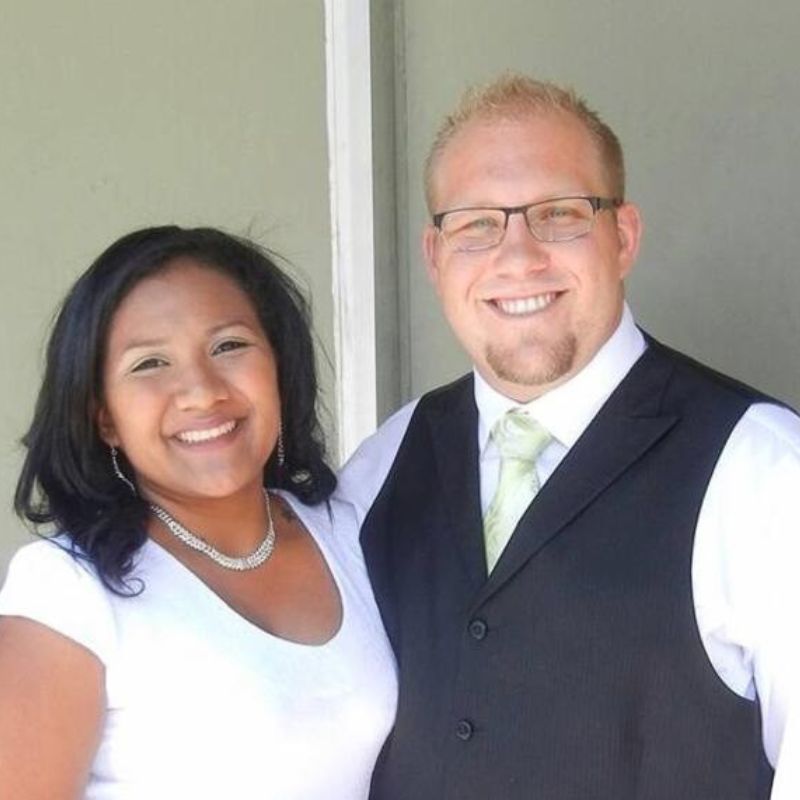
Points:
530	314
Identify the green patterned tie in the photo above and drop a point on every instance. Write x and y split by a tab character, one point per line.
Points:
520	440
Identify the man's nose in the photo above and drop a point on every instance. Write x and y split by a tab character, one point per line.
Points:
520	250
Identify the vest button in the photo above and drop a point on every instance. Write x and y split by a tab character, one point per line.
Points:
478	629
464	730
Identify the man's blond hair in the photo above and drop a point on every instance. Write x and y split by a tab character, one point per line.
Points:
513	97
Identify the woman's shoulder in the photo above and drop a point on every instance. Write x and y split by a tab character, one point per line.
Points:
50	581
334	526
56	556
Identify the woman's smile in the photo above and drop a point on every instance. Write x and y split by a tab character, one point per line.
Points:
206	434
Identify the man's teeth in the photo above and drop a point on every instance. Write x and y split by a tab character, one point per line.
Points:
192	437
526	305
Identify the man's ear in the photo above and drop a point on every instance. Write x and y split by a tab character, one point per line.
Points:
429	238
106	428
629	230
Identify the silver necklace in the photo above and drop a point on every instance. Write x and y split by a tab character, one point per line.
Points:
238	563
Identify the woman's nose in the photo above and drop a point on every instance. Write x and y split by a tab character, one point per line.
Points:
200	386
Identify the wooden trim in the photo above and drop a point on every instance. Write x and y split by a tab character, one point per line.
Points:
349	113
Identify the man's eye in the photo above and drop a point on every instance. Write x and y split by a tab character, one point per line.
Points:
229	345
483	224
559	212
471	223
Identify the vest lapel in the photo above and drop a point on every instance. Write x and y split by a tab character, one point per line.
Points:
629	424
453	432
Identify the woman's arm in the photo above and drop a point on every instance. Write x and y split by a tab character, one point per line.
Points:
52	705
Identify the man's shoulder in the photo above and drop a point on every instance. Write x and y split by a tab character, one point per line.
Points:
688	372
768	433
391	431
382	445
446	392
361	478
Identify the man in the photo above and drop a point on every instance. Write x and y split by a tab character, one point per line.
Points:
586	552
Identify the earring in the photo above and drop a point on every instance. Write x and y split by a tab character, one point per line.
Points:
118	472
281	451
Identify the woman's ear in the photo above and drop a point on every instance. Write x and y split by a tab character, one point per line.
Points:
106	428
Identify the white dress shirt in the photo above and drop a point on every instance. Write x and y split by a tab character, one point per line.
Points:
746	559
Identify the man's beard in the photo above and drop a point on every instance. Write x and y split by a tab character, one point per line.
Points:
532	362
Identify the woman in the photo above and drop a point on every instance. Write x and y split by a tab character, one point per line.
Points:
188	632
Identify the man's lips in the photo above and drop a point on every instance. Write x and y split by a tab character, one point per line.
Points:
200	435
523	306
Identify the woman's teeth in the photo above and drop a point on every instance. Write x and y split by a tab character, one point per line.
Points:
193	437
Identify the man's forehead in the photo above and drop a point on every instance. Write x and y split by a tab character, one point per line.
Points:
554	146
535	127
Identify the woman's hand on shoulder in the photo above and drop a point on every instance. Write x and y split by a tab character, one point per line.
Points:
52	705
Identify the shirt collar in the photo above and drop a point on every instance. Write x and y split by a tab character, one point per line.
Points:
567	410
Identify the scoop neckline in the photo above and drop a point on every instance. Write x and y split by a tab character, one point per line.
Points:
153	546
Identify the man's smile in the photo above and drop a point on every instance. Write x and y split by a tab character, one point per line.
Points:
523	306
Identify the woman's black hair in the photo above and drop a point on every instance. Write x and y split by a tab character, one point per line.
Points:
67	479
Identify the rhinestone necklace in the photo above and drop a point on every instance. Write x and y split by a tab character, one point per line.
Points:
238	563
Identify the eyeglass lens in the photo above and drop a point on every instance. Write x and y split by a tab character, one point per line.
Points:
551	221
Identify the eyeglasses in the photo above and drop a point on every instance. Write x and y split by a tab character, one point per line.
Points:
557	220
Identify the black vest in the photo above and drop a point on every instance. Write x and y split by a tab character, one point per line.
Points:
575	671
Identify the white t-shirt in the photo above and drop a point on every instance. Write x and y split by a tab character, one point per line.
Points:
203	704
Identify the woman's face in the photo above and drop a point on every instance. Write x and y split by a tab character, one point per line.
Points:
190	386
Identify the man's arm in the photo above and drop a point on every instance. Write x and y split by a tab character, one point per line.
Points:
746	578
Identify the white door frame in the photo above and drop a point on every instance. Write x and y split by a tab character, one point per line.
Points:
349	115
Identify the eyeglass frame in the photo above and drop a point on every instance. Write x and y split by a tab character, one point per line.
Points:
597	203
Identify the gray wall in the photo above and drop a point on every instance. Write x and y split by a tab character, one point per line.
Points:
117	115
705	98
389	200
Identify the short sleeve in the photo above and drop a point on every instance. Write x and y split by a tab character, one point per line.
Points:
49	585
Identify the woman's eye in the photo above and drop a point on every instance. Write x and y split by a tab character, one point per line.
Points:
230	344
147	364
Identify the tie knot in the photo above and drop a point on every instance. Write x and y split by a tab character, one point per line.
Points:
520	436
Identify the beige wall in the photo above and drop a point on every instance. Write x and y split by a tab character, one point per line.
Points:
117	115
705	98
